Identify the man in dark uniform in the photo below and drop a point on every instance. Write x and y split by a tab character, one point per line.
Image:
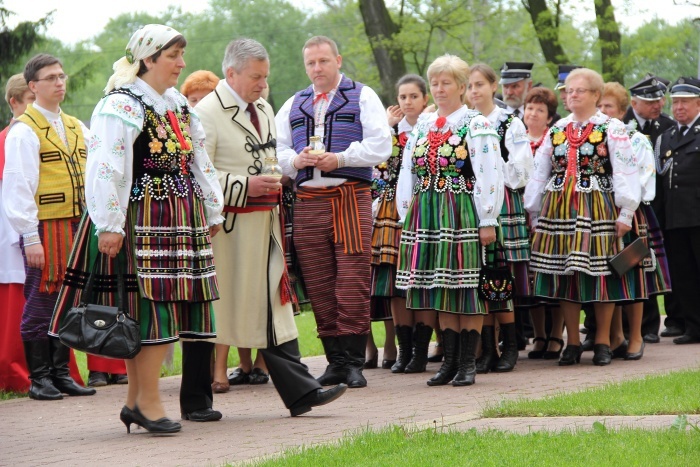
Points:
648	98
516	80
563	72
678	164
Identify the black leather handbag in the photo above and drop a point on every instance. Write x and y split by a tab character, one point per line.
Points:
630	256
98	329
496	283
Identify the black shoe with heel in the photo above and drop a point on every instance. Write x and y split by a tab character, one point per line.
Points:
161	426
127	416
553	354
602	355
621	350
636	355
537	354
372	362
571	355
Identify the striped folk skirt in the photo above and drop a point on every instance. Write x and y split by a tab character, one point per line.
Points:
516	240
440	254
573	241
386	238
296	280
168	265
658	279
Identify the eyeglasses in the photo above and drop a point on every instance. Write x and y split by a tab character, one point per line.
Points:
578	91
53	78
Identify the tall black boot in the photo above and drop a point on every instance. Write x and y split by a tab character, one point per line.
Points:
466	373
509	357
354	346
39	364
421	342
448	370
60	373
335	371
404	334
489	357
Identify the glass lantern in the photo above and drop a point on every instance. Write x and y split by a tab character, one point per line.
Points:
317	146
271	167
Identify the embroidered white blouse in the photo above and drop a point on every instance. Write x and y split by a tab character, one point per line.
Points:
516	172
116	123
484	156
627	185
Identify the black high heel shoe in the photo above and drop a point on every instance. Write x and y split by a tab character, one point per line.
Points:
553	354
571	355
372	362
127	416
162	425
537	354
621	350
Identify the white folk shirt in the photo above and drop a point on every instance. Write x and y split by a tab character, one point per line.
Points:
516	172
374	148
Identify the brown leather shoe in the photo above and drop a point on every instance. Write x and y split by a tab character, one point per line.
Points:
220	388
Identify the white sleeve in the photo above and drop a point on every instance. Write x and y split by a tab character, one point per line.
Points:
109	172
375	146
647	165
487	164
541	172
626	181
407	179
21	179
285	144
518	169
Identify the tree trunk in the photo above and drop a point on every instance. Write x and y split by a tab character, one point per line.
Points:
610	41
380	30
547	34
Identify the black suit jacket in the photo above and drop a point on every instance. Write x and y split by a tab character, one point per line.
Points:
677	201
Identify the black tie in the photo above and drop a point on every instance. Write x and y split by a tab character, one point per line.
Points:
683	129
254	117
647	127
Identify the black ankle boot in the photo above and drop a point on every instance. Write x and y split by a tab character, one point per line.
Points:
466	372
421	342
509	357
39	364
450	345
404	335
335	371
489	357
353	346
60	373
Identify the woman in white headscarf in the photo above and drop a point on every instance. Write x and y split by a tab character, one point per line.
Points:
154	203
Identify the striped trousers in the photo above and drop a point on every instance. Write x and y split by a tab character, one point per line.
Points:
337	283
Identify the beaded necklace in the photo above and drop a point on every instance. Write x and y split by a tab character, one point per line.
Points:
575	141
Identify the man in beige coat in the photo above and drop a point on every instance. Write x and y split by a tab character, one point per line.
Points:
255	309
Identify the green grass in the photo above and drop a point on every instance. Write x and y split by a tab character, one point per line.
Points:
674	393
399	446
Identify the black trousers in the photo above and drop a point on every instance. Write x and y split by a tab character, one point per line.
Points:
683	251
289	375
195	388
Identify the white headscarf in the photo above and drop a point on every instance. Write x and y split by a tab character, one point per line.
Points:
143	43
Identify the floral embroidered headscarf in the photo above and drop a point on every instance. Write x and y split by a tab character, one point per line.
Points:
143	43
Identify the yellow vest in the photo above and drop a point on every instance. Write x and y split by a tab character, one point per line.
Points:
61	190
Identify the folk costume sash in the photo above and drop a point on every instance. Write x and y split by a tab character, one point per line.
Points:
346	218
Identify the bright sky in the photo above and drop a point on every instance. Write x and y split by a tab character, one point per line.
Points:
70	24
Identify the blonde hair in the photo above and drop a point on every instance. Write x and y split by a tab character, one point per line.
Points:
16	87
452	65
320	40
200	80
595	81
617	92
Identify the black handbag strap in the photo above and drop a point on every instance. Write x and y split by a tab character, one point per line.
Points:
87	291
497	248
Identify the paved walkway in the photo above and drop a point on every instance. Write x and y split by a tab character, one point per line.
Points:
87	431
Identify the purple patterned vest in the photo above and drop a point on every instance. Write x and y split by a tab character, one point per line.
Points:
342	127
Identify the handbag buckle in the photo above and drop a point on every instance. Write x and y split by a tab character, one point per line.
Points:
99	323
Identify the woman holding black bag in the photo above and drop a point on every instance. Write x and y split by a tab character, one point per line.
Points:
154	203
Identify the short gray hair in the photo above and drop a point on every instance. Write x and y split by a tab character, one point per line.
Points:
239	51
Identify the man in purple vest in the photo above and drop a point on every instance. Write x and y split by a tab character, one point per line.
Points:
332	227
